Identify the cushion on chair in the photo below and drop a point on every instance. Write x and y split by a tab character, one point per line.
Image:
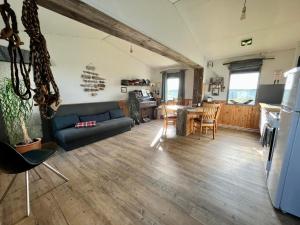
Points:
98	118
204	121
116	113
62	122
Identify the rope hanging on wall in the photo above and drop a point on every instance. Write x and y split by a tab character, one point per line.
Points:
10	33
46	93
40	61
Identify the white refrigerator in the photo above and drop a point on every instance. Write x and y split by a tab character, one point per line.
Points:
284	177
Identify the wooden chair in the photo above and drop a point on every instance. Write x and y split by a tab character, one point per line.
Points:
207	119
169	117
214	105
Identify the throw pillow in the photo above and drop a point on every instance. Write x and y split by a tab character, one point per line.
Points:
98	118
85	124
62	122
116	113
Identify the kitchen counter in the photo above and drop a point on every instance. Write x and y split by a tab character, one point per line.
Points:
270	108
265	111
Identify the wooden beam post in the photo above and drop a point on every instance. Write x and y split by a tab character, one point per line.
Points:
86	14
198	85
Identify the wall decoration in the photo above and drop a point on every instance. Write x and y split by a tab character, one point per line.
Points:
215	91
216	84
155	89
210	64
92	82
136	82
278	75
123	89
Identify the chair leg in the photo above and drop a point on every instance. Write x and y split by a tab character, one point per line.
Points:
214	131
200	131
55	171
27	193
8	188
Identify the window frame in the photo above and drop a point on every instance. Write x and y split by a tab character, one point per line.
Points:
257	86
167	89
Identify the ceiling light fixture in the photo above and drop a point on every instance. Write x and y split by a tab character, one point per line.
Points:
244	10
246	42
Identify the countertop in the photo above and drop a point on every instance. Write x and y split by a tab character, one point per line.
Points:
270	108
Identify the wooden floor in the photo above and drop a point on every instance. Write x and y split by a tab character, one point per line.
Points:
141	178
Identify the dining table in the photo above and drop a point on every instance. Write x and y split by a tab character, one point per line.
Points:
185	117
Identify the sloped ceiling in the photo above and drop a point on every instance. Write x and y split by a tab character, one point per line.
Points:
158	19
198	29
218	30
55	24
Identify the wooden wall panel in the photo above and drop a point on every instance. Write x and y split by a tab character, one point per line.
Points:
240	116
186	102
124	106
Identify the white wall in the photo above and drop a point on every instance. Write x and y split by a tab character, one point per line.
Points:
297	54
283	61
71	55
189	79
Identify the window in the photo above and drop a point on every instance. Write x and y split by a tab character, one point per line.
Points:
172	88
243	88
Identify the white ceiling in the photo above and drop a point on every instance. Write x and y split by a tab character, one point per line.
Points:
63	26
215	26
218	30
72	28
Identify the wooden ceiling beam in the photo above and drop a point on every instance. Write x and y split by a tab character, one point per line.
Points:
86	14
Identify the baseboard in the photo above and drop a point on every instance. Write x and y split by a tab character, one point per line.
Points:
239	128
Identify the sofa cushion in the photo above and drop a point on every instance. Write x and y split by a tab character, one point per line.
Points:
116	113
98	118
70	135
62	122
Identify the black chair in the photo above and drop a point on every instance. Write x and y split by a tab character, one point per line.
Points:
12	162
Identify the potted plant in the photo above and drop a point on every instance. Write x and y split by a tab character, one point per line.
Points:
16	114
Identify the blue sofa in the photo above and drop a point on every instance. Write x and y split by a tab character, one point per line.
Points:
109	117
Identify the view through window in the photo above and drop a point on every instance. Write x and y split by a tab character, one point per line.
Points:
172	88
243	88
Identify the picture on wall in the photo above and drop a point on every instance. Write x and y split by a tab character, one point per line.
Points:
216	85
92	82
215	91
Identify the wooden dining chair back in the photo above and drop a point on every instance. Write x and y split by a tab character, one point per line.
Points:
214	105
209	114
206	120
170	116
